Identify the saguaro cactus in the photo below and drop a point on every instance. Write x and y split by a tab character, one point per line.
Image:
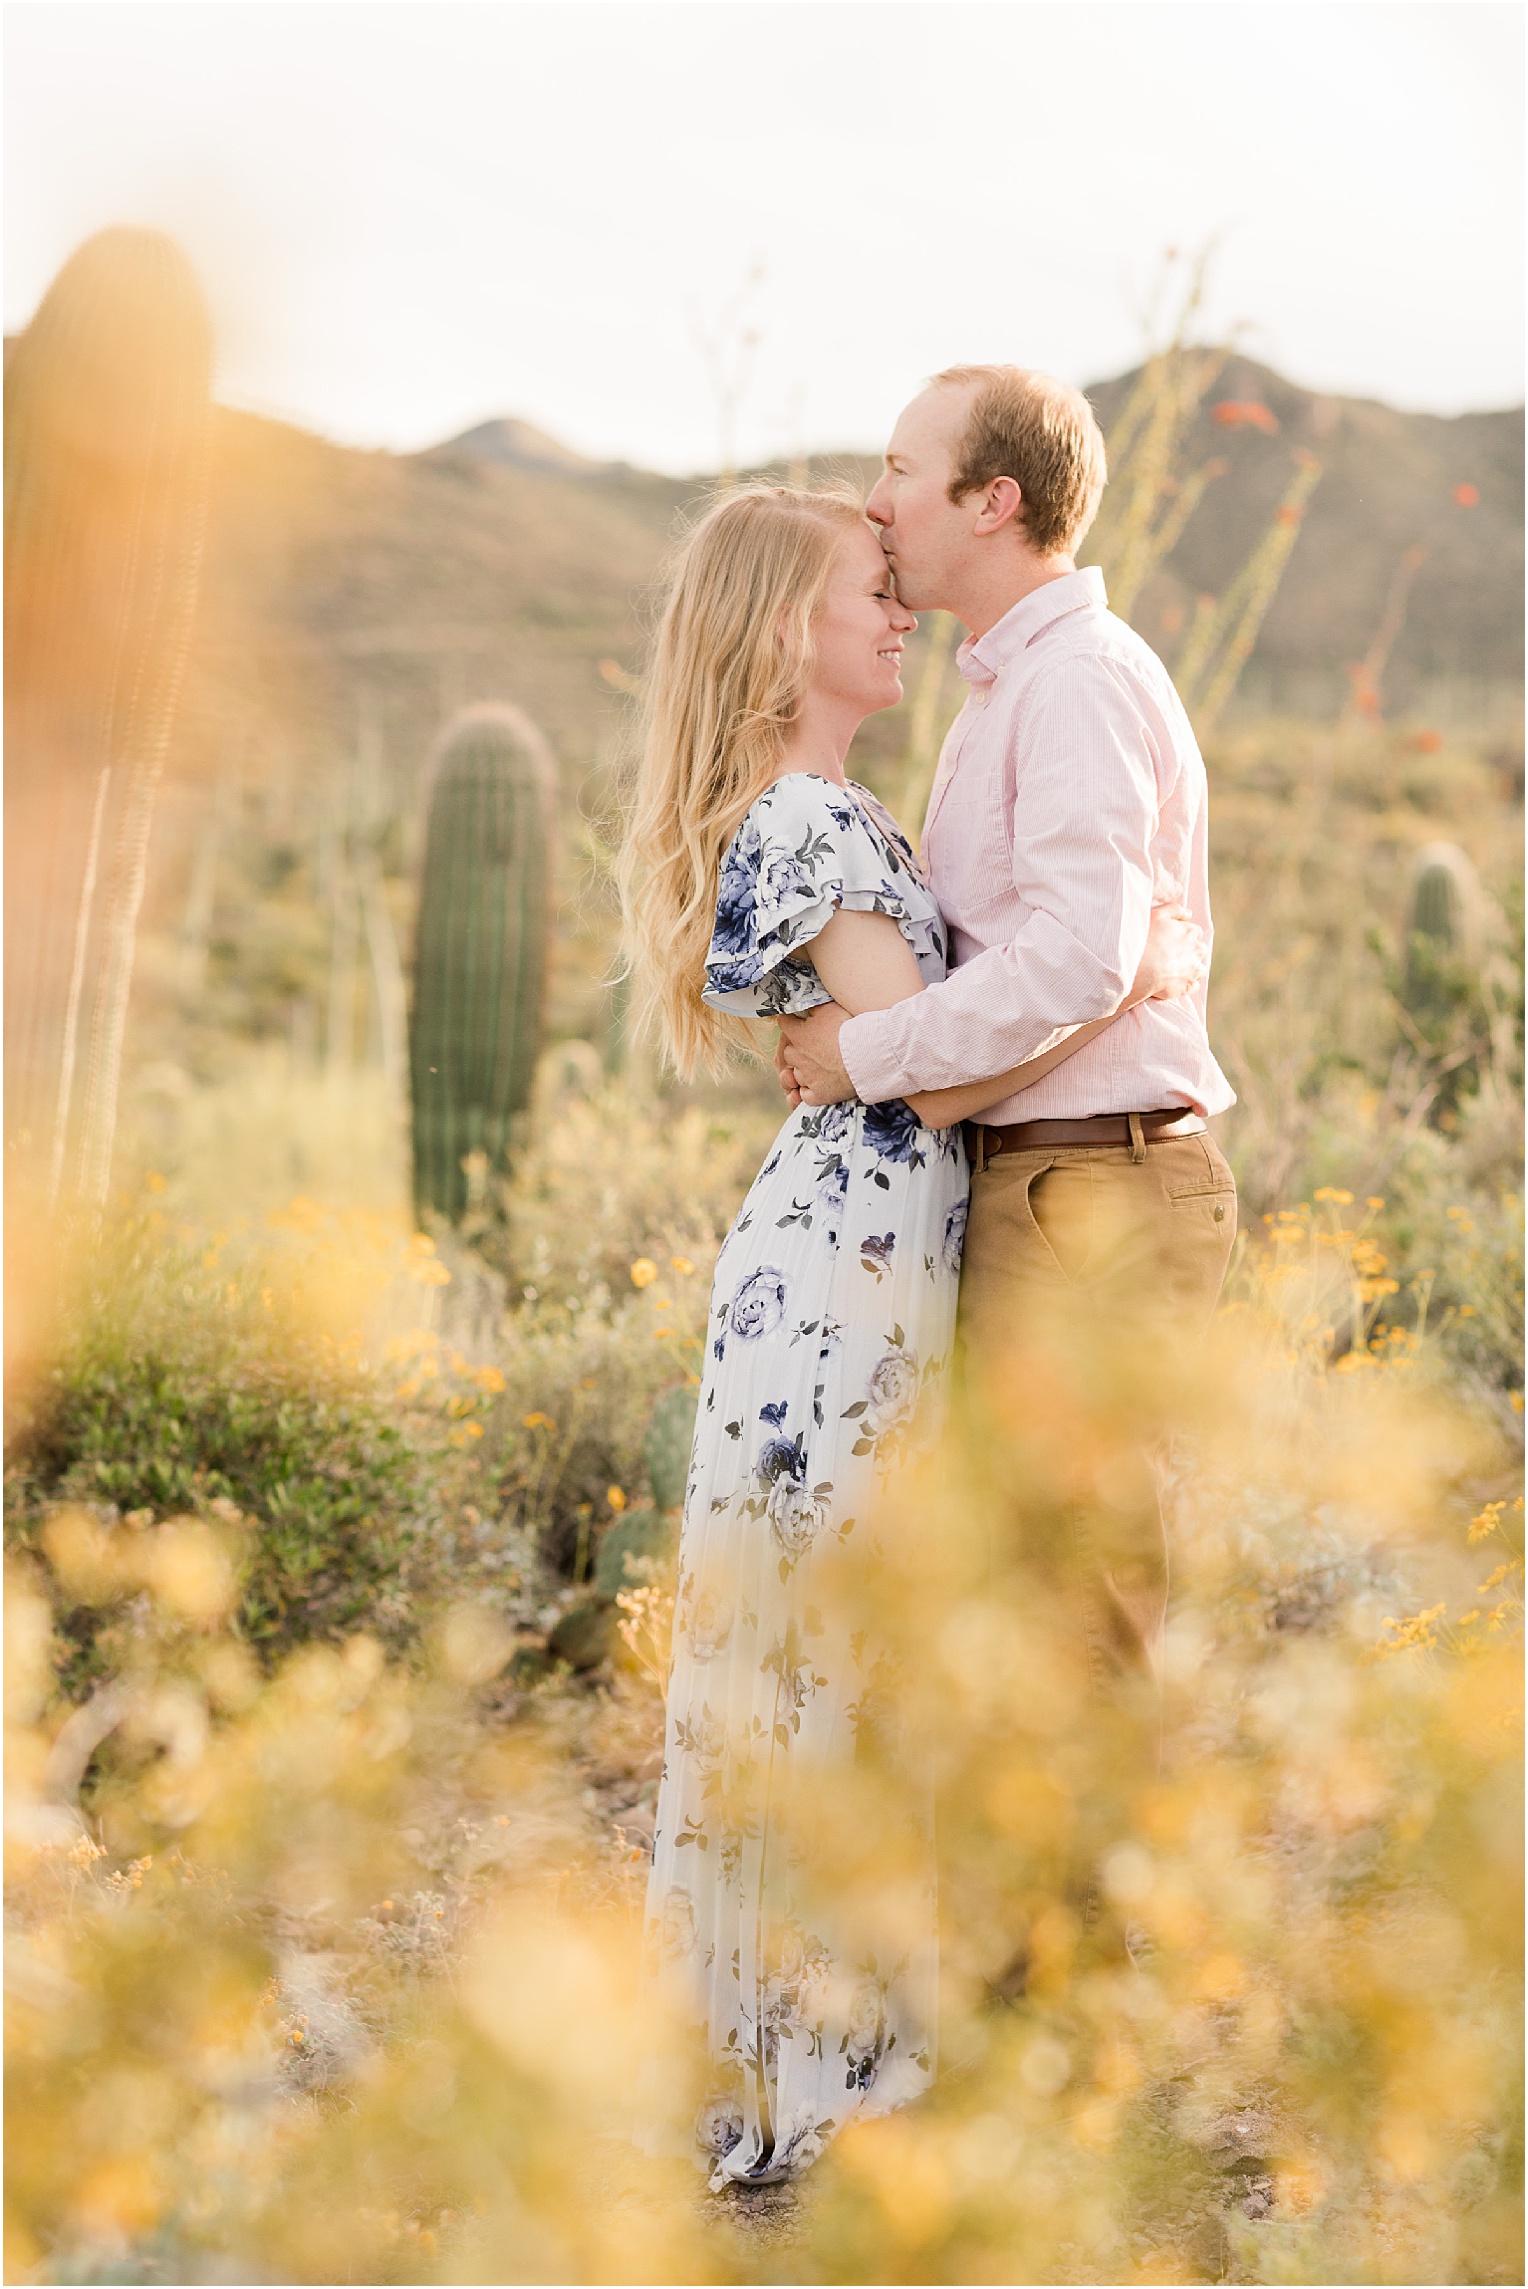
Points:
1443	935
480	954
1455	1014
107	427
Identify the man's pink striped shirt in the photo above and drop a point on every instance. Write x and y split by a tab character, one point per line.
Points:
1070	799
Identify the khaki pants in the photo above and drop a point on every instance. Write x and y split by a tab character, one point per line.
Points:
1128	1245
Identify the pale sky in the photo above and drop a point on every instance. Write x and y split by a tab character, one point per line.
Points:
413	214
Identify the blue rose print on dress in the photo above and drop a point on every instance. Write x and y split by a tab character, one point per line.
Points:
954	1237
719	2125
892	1391
876	1252
829	1341
758	1307
894	1132
867	2037
797	1513
785	876
735	901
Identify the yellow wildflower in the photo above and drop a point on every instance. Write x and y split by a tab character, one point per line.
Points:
643	1272
1420	1630
1487	1521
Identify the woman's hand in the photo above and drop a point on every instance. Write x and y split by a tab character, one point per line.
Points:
1173	962
787	1072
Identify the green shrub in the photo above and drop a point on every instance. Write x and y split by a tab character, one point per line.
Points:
153	1412
329	1485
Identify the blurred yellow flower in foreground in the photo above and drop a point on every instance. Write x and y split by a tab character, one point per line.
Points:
643	1272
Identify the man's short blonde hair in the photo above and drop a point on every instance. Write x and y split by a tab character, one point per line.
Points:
1044	436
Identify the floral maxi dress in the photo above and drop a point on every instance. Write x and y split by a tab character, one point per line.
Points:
832	1320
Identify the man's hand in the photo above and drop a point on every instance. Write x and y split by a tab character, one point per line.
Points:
1173	962
787	1073
809	1045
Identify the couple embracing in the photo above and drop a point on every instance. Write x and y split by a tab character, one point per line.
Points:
999	1079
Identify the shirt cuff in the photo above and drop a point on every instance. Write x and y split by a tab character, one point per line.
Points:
867	1056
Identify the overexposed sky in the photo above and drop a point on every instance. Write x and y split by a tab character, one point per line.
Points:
413	214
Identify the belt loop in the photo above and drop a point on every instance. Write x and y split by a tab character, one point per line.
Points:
1137	1138
981	1148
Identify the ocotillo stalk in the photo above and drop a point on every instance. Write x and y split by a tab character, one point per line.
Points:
1221	640
480	957
1149	499
107	419
1154	504
1364	675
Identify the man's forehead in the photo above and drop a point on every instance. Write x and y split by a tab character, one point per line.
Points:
931	418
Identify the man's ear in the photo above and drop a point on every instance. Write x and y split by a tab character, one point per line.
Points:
1001	503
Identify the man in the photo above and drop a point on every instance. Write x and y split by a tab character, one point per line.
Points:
1070	798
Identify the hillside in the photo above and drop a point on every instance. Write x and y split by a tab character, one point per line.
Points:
1390	482
353	599
502	565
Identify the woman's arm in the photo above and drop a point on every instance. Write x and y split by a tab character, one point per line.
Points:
866	963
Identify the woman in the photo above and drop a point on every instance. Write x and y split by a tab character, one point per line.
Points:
758	880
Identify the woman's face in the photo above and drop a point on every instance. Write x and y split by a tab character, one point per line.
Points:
859	630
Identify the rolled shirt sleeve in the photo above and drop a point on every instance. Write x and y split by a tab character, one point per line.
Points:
1085	797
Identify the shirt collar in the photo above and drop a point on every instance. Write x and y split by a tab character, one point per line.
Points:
981	659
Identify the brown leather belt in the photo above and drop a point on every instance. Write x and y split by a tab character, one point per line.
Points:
984	1142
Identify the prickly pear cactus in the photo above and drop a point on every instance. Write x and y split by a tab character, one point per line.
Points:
108	413
638	1534
650	1535
480	951
666	1449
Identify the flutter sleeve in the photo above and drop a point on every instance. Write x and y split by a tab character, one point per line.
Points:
804	849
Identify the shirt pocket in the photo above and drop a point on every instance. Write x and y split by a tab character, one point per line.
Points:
1205	1170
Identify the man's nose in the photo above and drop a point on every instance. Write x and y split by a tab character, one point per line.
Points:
877	510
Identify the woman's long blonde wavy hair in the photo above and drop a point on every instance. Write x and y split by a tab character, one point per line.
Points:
730	667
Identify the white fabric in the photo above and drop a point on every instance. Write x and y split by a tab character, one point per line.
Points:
832	1319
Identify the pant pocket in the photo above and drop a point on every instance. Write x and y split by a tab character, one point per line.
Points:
1203	1169
1062	1205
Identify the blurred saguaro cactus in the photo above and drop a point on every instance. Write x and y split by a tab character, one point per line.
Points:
1441	978
1445	910
480	953
1458	989
107	425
